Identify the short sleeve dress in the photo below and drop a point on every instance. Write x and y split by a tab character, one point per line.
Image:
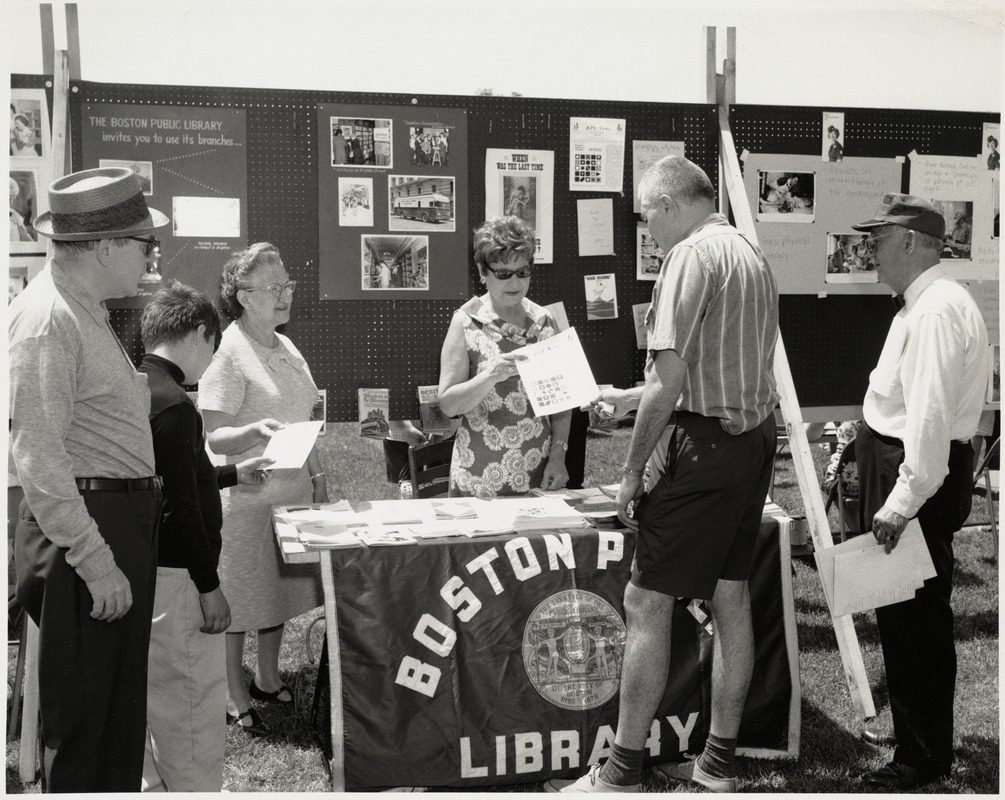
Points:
500	448
251	382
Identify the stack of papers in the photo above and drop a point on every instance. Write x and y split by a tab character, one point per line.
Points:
530	513
453	509
859	574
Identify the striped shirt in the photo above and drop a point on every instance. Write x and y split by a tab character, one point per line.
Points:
715	304
79	409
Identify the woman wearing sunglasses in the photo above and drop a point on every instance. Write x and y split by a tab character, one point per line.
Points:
501	448
257	382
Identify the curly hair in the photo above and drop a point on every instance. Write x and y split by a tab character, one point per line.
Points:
501	239
236	272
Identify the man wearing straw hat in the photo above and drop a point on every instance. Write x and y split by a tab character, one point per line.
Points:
85	544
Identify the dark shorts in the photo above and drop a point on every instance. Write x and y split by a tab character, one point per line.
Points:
700	521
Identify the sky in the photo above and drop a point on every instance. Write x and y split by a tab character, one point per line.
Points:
925	54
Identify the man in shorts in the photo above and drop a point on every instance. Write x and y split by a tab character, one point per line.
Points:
711	331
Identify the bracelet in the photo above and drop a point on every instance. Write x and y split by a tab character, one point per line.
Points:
317	475
635	473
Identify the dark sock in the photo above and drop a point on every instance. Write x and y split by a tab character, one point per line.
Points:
719	757
624	767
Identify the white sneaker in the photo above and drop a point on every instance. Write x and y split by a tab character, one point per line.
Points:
590	782
689	772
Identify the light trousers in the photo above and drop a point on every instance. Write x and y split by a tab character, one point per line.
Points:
186	692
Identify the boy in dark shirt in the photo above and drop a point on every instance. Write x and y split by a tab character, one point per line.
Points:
186	685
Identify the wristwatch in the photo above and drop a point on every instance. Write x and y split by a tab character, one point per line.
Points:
560	443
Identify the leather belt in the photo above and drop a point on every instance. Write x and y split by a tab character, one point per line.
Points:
118	484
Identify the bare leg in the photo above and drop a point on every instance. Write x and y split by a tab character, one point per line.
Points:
647	663
238	700
732	656
267	676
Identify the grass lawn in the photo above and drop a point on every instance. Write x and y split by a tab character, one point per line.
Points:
831	754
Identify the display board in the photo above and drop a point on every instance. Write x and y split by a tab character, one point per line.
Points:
834	325
394	341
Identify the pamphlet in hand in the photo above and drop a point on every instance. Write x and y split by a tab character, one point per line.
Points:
556	374
290	446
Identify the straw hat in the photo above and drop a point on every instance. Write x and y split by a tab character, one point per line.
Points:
105	203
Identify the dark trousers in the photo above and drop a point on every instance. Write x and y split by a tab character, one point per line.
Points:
917	635
92	674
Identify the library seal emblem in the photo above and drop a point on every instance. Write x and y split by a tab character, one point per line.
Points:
573	648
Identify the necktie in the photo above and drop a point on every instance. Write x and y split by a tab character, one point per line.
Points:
898	301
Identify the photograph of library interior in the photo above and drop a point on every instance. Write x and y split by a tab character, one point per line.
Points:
564	397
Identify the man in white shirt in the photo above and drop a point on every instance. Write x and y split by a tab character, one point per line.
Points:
921	409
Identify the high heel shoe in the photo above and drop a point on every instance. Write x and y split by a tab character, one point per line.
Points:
271	697
258	726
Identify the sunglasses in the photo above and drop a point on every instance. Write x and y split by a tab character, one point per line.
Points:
277	290
506	274
151	246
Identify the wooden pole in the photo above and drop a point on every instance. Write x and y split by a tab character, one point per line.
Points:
844	628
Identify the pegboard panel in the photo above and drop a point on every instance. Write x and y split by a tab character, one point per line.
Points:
833	343
396	343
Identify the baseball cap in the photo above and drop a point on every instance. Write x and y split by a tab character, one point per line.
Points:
907	211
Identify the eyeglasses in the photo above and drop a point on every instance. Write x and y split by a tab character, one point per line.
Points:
150	246
871	242
506	274
277	290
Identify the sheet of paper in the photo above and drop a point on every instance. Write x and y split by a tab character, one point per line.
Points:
556	374
290	446
645	153
521	183
596	226
596	154
858	575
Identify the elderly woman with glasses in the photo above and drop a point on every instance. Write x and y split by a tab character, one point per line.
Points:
257	382
501	448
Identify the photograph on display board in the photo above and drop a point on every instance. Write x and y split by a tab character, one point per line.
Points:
206	217
394	262
833	138
22	210
601	297
959	216
785	196
361	143
429	146
421	203
519	198
990	138
21	271
27	123
355	202
849	259
144	171
648	255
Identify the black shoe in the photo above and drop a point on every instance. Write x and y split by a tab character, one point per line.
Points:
258	726
879	735
271	697
900	776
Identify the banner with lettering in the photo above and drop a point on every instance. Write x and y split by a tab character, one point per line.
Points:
497	660
192	166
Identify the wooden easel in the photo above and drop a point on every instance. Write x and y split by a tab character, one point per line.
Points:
721	89
63	65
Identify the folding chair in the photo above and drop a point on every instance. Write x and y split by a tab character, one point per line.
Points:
986	481
836	492
430	468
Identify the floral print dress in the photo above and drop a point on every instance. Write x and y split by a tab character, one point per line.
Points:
501	448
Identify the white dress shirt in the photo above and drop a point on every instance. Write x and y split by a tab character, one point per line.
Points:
929	385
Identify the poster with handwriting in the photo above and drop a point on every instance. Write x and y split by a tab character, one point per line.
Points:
804	256
966	193
192	166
